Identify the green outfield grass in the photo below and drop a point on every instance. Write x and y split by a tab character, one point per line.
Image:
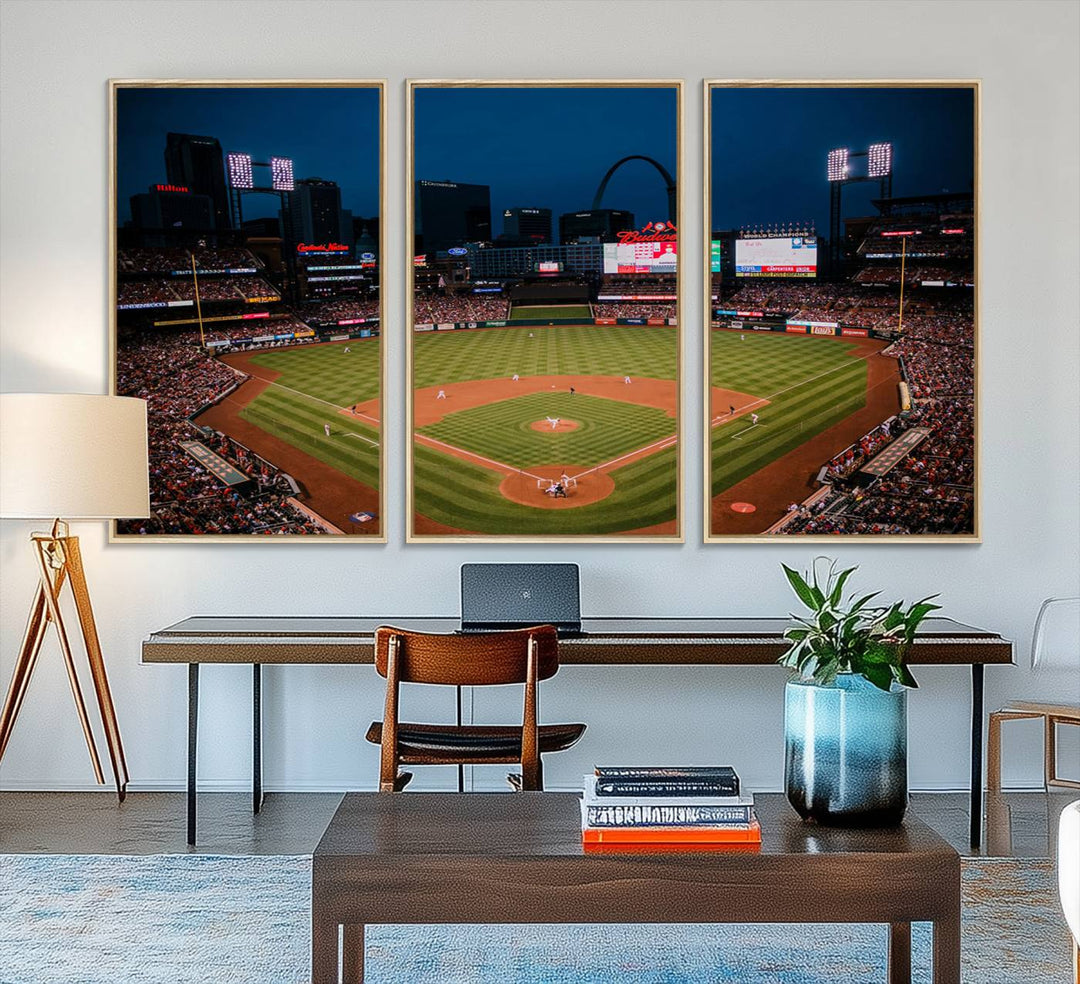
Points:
552	313
607	429
315	381
811	383
593	350
465	496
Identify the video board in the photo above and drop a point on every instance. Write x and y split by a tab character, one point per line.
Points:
776	256
647	257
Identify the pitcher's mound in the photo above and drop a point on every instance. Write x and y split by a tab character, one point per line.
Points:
560	428
525	489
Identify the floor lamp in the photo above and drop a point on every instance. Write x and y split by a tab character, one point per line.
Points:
78	457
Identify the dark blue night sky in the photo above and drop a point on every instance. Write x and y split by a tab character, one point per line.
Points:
329	133
549	147
769	148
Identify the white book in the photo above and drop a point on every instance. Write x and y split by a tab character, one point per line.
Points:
591	799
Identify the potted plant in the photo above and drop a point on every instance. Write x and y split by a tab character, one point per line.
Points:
845	714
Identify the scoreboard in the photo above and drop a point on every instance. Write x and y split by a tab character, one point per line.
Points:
647	257
776	256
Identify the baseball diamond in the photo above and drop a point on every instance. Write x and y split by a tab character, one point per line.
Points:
484	452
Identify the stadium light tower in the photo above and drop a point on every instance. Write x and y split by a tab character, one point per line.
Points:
281	174
839	172
837	165
240	174
241	170
879	157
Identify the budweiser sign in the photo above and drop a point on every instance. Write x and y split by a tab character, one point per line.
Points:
654	232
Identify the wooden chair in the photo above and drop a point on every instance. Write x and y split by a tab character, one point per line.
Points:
1055	644
485	659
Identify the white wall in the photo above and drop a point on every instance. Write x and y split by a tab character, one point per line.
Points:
56	57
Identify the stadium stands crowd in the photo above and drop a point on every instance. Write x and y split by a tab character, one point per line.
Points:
433	309
341	309
634	309
177	379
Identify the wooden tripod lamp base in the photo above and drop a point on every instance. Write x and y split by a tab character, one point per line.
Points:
85	457
59	561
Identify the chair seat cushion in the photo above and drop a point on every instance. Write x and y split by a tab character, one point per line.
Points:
474	742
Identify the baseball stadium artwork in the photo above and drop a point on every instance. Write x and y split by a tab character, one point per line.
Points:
841	291
246	303
543	334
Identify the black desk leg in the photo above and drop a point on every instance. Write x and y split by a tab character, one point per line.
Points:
256	738
192	747
976	753
461	767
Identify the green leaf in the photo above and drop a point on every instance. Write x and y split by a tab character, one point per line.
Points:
880	676
838	589
903	675
801	588
862	601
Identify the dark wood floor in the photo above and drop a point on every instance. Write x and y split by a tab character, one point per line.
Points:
1021	824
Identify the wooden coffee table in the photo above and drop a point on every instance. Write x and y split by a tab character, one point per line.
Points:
517	858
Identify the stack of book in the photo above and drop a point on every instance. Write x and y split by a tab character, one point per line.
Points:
678	806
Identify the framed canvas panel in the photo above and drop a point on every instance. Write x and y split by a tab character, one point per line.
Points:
247	305
841	299
544	302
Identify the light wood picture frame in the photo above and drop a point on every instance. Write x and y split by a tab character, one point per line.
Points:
841	341
246	239
543	392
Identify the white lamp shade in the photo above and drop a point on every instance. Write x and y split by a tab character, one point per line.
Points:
73	456
1055	643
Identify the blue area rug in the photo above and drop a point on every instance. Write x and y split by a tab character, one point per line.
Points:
246	920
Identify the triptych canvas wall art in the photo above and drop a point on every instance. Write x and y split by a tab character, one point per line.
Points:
543	326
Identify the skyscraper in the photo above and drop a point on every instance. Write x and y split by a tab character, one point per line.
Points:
198	163
450	213
597	225
526	226
316	215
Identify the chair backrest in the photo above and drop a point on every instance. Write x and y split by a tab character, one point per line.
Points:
1055	642
468	660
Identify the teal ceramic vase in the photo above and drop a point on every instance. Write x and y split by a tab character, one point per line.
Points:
846	752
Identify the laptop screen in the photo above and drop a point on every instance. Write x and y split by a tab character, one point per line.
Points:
514	595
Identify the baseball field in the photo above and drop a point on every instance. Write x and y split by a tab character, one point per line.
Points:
282	412
488	446
812	397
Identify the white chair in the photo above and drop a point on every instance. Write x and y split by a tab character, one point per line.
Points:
1055	645
1069	875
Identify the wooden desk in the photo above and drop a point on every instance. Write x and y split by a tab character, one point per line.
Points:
270	639
518	858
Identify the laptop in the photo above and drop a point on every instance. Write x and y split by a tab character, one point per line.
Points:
513	596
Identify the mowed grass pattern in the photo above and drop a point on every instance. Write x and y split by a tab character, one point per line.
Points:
811	383
601	350
315	382
502	431
466	496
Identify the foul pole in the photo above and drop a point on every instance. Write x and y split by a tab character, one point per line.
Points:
903	258
198	305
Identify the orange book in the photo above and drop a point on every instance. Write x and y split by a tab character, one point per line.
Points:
748	834
639	848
